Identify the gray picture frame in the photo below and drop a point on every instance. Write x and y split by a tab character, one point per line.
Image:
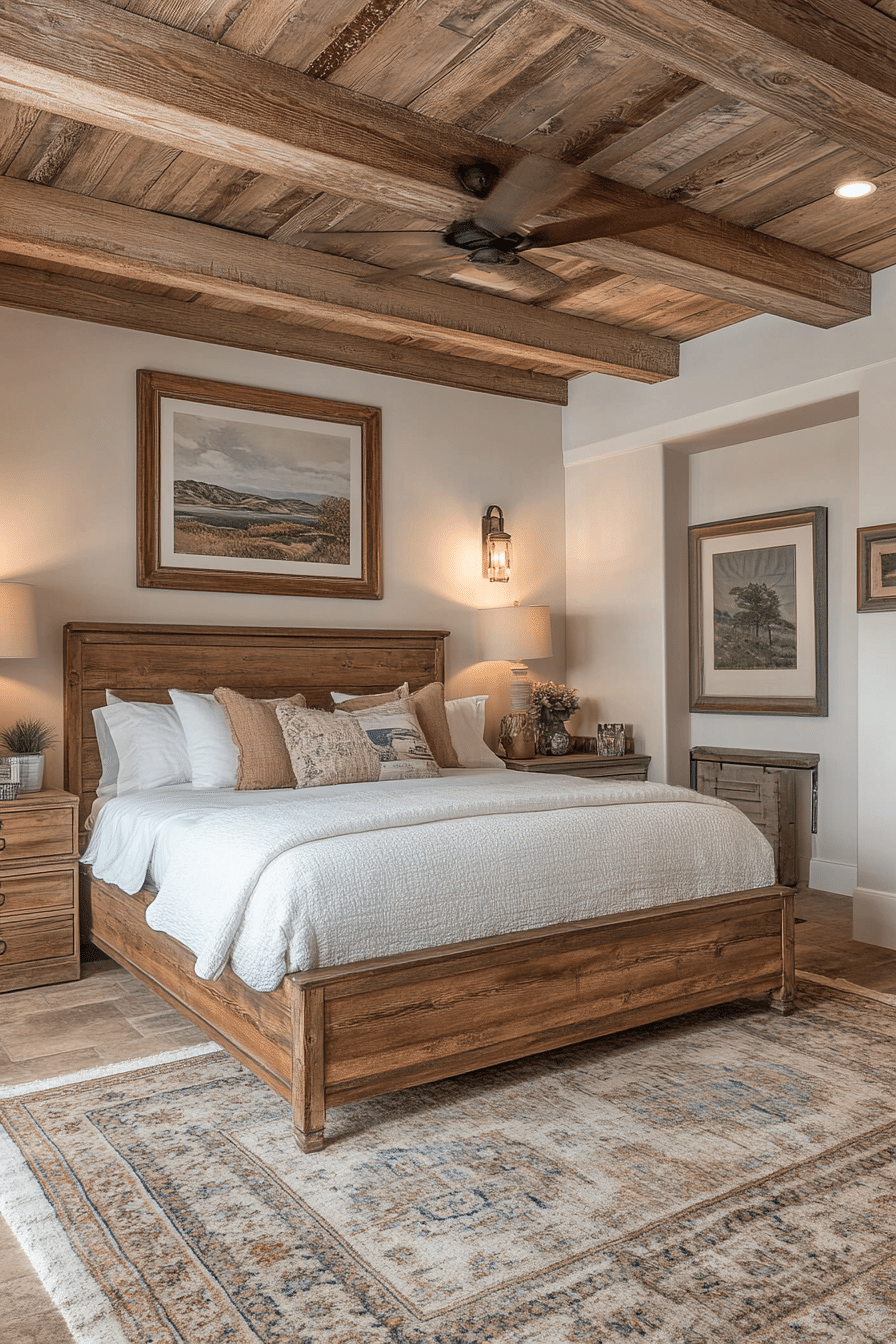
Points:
798	683
876	563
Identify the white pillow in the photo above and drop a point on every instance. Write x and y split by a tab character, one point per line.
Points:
466	724
214	758
108	785
151	747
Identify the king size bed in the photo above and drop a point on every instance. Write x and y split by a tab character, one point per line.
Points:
386	1000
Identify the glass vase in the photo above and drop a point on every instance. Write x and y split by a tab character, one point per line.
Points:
552	739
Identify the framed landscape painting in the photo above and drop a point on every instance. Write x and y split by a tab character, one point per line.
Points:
758	614
877	568
246	490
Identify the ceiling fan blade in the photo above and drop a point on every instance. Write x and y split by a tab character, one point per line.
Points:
617	224
401	236
423	263
531	187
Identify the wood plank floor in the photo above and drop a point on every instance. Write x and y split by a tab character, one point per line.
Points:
108	1017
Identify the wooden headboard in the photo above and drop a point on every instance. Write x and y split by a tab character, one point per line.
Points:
142	662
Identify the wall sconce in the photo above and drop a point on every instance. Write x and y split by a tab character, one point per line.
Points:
496	548
18	630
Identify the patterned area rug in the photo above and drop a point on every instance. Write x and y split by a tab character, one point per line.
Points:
723	1177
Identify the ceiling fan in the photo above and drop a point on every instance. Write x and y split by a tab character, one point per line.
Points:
494	235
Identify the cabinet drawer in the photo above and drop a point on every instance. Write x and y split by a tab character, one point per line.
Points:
24	892
35	939
38	833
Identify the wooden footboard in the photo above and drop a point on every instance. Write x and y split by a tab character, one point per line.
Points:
333	1036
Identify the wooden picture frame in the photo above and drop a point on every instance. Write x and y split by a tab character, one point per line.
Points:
248	490
758	614
877	568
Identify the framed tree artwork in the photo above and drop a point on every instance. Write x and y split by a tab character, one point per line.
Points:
877	568
758	614
248	490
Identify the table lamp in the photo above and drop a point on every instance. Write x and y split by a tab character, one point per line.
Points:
18	629
512	634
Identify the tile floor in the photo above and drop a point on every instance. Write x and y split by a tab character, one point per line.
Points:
108	1016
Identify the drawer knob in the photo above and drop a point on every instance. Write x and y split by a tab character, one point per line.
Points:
2	947
2	898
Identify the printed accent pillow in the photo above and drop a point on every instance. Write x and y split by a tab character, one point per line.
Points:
352	702
395	734
326	750
428	705
264	760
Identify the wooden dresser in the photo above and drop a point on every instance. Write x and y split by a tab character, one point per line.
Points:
39	890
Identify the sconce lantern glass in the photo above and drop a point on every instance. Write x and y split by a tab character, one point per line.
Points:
496	548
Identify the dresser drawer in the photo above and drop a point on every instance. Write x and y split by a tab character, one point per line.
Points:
21	893
37	939
35	833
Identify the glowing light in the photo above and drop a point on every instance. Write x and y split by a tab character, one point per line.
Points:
853	191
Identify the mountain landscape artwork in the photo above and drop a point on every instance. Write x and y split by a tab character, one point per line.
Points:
754	608
260	492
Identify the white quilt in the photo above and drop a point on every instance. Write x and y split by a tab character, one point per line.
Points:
292	880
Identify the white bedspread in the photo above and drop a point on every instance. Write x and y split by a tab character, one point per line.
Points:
284	881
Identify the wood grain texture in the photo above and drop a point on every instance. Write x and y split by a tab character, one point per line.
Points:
78	231
39	942
85	300
826	64
123	73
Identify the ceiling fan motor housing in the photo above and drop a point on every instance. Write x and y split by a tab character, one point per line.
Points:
485	248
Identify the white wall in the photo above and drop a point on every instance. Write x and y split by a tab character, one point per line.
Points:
771	414
68	482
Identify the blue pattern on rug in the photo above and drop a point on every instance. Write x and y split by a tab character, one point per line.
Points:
727	1177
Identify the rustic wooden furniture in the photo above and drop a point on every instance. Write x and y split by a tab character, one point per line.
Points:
330	1036
761	784
587	764
38	889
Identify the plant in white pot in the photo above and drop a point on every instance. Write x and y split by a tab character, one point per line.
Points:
27	740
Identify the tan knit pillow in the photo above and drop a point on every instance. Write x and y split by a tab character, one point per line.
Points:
327	748
371	701
429	706
264	760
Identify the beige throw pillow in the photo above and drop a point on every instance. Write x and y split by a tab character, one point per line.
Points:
428	705
264	760
326	749
349	705
396	735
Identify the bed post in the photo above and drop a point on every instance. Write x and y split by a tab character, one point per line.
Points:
308	1104
782	999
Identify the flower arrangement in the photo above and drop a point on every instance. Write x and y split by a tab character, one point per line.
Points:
553	700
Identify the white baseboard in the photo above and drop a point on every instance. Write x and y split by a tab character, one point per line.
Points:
874	917
841	878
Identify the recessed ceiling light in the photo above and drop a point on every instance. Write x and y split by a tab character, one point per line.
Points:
851	191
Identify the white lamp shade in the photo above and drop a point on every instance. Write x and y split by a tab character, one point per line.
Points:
18	630
514	634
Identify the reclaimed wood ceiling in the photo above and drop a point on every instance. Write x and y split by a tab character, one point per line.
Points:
161	160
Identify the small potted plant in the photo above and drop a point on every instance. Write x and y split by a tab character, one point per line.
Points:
552	705
27	740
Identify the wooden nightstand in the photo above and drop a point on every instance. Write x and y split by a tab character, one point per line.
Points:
587	764
39	890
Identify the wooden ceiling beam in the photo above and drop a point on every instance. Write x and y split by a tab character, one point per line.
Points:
108	67
111	305
62	228
828	65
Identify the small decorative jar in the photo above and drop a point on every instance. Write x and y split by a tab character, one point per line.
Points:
553	738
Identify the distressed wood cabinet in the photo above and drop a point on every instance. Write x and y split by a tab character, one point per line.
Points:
761	784
39	890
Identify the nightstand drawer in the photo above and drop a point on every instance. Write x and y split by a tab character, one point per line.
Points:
35	833
24	892
36	939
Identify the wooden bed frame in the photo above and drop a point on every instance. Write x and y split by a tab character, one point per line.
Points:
332	1036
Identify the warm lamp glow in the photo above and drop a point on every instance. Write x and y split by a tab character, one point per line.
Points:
853	191
510	634
18	630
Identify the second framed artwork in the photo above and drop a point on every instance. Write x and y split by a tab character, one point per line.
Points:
758	614
246	490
